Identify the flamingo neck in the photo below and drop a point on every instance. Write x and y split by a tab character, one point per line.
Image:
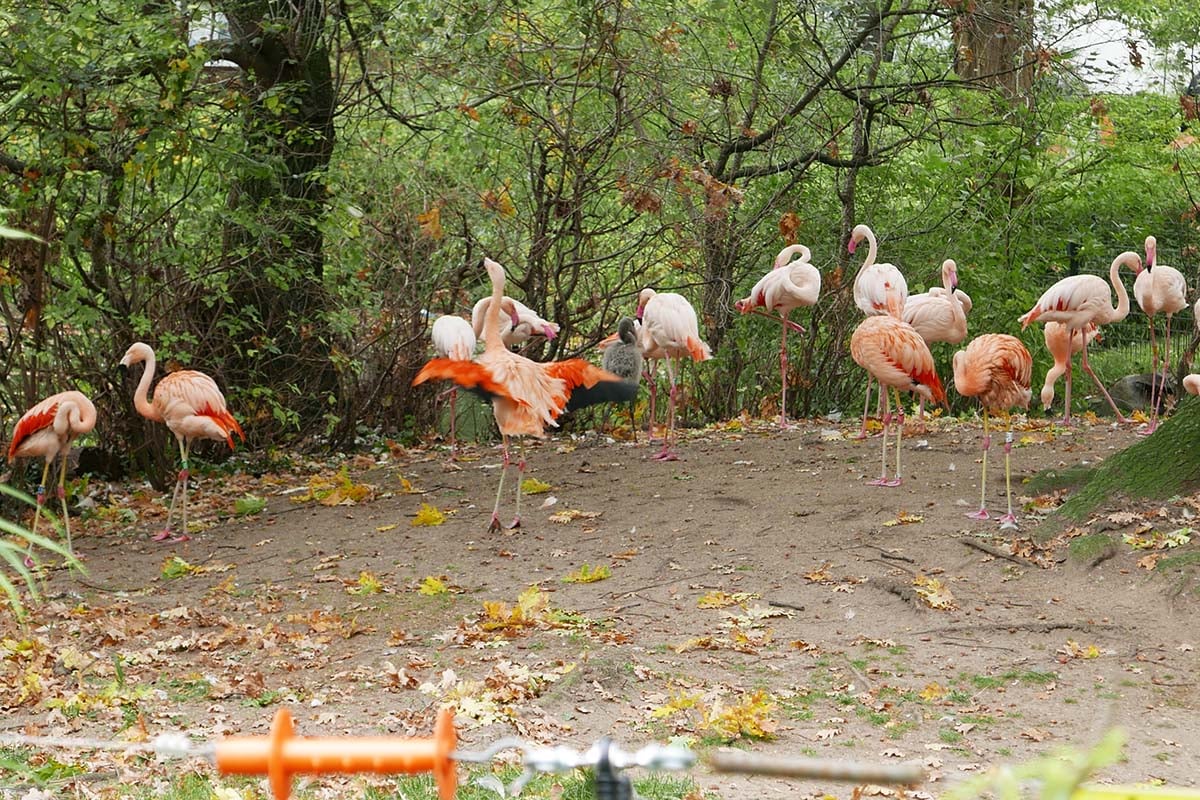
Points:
140	401
491	319
1122	310
872	251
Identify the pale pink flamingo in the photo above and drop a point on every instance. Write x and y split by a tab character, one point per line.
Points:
1062	346
939	315
516	327
896	355
791	284
1081	300
669	327
46	431
1158	288
875	287
454	338
996	368
1191	383
527	396
192	407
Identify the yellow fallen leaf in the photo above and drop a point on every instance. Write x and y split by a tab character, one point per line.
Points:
935	593
534	486
572	514
719	599
427	515
588	574
385	528
933	691
432	586
904	518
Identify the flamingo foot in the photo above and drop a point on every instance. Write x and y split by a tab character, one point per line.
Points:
890	483
1008	522
516	524
162	535
495	524
1148	429
28	562
980	514
665	455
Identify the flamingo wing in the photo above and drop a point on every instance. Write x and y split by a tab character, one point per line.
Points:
587	384
187	394
40	417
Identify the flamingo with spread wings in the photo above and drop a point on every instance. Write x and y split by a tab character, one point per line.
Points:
527	396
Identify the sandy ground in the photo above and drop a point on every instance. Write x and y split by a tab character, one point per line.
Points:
825	648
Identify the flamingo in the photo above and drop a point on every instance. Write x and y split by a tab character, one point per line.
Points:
192	407
623	358
650	359
1158	288
895	355
1062	346
1192	383
996	368
1081	300
789	285
875	286
939	315
518	327
526	396
669	327
453	337
46	431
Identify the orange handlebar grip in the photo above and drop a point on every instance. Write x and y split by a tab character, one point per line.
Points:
281	755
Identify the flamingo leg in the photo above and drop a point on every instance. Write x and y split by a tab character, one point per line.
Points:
1009	520
651	378
37	512
783	374
495	523
1088	369
62	498
667	453
899	435
862	434
882	480
453	422
787	323
1066	420
1154	387
982	513
516	523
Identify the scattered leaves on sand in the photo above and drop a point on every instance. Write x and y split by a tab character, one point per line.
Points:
534	486
367	583
334	490
431	586
1073	649
572	514
720	599
248	505
904	518
588	574
1148	538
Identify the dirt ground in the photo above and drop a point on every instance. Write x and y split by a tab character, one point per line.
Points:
824	649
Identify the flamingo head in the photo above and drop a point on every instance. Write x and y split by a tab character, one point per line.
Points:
950	270
507	306
1151	251
644	297
859	233
138	351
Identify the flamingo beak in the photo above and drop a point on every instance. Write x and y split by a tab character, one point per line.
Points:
853	244
640	311
549	331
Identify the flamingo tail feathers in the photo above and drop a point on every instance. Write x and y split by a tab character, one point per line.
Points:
226	422
699	350
1028	318
587	384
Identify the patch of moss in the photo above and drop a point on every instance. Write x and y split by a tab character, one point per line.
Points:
1184	561
1054	479
1087	549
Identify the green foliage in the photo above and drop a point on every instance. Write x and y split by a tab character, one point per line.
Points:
13	570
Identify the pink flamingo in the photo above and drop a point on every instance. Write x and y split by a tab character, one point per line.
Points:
875	286
896	355
517	327
1062	346
454	338
939	315
46	431
1158	288
192	407
996	368
1191	383
1081	300
527	396
669	331
790	284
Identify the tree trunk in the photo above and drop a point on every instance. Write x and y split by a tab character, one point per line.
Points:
273	327
993	44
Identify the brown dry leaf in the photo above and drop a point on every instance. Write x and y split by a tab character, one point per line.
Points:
820	574
935	593
572	514
720	599
1150	560
904	518
1034	734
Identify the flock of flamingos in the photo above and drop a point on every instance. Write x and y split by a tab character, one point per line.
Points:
891	344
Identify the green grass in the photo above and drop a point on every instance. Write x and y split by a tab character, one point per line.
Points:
474	784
